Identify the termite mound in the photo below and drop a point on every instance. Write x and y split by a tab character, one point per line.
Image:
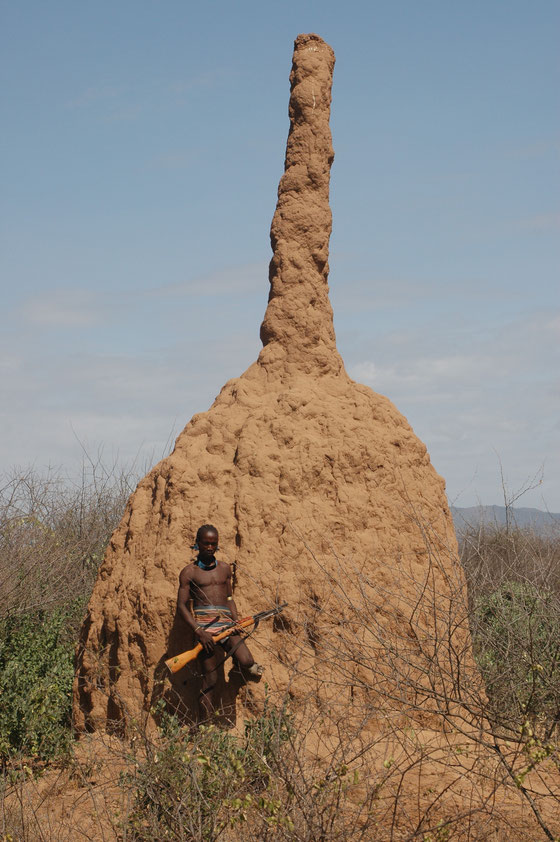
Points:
323	495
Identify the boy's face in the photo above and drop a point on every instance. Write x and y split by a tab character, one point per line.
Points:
207	545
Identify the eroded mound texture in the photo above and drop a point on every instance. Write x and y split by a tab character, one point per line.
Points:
323	495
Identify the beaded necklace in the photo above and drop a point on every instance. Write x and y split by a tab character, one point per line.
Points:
200	563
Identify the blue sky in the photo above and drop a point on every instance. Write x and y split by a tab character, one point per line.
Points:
142	146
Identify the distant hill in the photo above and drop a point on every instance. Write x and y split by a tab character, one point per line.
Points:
542	522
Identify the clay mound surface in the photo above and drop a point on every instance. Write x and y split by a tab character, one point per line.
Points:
282	468
322	494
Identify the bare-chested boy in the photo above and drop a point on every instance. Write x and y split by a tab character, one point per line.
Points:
207	582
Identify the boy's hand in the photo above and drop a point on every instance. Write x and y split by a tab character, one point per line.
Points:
205	638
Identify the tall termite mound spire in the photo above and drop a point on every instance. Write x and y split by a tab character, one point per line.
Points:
299	317
323	496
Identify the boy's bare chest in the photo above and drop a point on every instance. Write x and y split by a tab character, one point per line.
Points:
205	578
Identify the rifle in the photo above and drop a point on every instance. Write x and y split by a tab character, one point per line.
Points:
177	662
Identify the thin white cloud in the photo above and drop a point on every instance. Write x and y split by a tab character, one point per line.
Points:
9	362
96	94
541	222
417	372
63	307
234	280
554	324
128	101
536	150
373	294
209	79
178	159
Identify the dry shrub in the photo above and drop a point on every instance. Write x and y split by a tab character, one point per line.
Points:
493	555
53	534
388	736
513	578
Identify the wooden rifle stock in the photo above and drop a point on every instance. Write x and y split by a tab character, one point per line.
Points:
177	662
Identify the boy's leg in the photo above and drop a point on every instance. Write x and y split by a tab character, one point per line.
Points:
207	701
242	655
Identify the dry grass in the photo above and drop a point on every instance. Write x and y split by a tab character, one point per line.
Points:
493	555
53	533
401	744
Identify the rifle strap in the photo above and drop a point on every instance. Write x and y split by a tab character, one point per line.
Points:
232	651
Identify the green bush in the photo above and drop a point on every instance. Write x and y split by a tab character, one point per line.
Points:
193	785
516	634
36	674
